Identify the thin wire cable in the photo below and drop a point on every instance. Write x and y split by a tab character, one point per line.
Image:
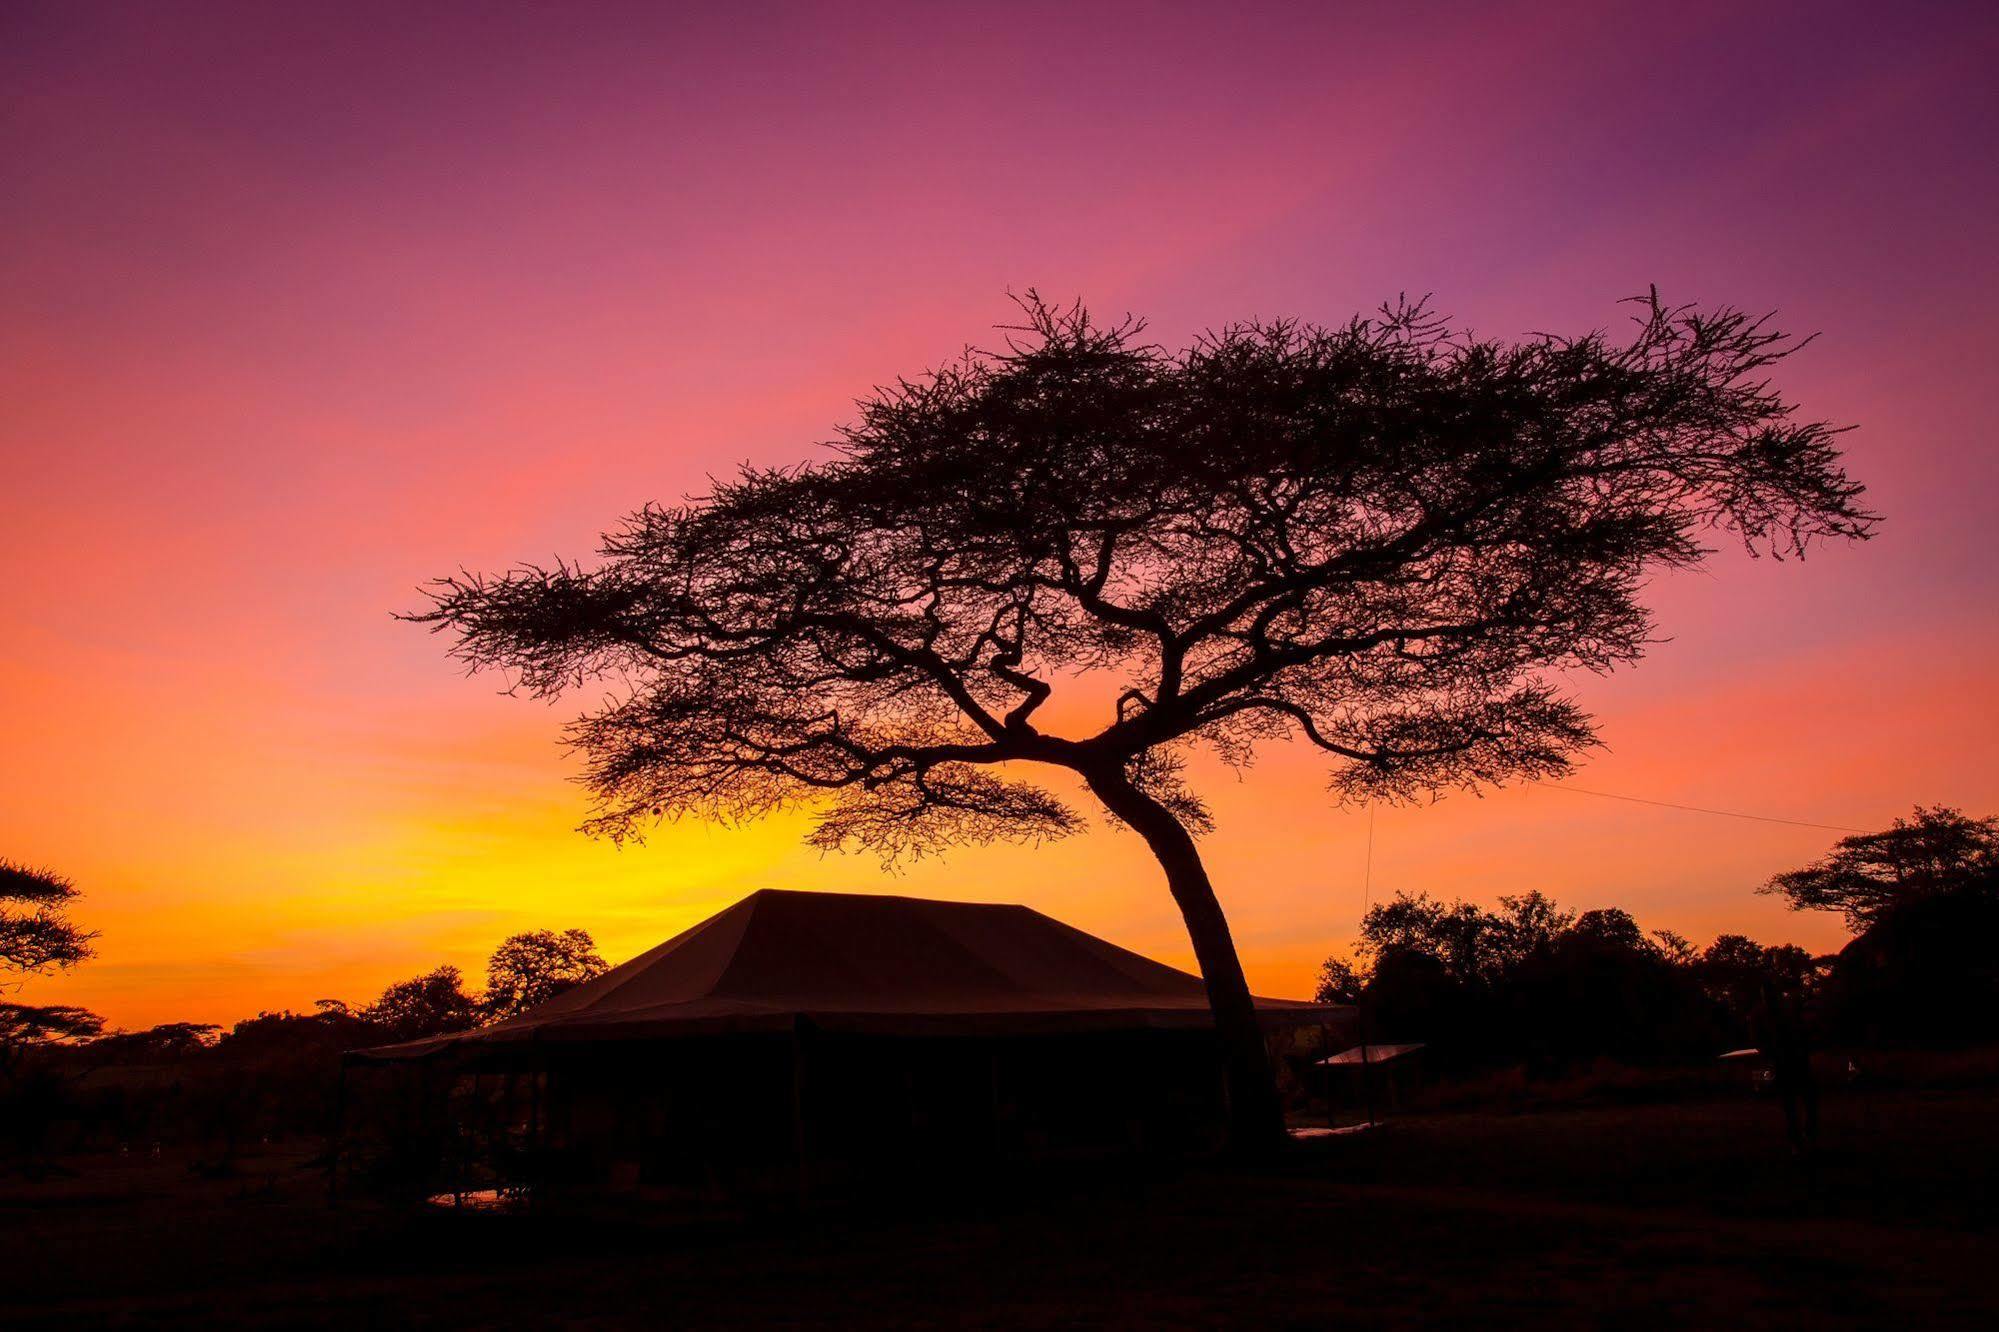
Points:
1367	873
1699	809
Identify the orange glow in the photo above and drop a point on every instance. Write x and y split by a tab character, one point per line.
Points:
307	308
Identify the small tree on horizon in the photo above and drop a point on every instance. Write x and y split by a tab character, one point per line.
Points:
1387	539
529	969
427	1005
25	1027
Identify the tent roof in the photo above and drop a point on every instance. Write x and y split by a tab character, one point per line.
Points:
1376	1053
860	963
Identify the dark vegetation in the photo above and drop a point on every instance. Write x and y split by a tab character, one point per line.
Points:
1383	538
66	1086
1530	981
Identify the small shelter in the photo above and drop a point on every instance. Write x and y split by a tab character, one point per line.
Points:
1371	1054
800	1033
1372	1077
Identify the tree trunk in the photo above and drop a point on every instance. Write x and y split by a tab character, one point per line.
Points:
1256	1120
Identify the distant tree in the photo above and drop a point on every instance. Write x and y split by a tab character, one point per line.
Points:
1675	948
1340	982
1735	968
1935	851
36	933
25	1027
283	1036
160	1044
528	970
1529	922
1476	946
1612	927
1460	935
426	1005
56	1024
1387	538
1530	977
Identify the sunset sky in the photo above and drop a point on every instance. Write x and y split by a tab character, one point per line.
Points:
305	304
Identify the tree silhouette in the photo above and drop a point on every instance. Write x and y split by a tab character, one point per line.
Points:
1340	982
1533	979
529	969
53	1024
1385	538
1933	852
1474	945
36	933
426	1005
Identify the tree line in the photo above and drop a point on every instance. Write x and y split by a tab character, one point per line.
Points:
67	1083
1528	977
1523	979
525	971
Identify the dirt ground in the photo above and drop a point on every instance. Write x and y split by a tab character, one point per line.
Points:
1657	1216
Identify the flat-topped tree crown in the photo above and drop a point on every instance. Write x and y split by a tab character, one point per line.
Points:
1383	538
36	933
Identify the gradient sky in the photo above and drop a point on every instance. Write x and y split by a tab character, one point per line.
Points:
306	303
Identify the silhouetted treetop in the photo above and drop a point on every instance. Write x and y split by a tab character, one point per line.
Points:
529	969
1474	945
1380	536
1935	851
425	1005
36	933
1529	976
31	1024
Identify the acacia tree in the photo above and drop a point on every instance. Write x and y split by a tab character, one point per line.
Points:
36	933
1385	538
1933	852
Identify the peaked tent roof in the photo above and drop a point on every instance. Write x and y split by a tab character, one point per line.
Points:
904	966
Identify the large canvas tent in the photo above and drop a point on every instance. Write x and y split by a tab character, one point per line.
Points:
872	965
846	1026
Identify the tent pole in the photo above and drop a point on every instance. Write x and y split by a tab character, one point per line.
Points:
339	1133
798	1112
1325	1069
993	1071
1366	1064
535	1158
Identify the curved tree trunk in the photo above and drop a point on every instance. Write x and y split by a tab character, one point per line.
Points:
1256	1120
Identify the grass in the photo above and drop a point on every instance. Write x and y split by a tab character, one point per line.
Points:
1645	1215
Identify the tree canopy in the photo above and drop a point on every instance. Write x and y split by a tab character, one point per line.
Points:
1379	537
1530	977
1935	851
425	1005
52	1024
531	968
36	933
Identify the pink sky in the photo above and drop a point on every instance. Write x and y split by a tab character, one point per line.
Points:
306	304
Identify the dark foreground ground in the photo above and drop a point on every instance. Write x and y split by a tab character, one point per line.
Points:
1676	1215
